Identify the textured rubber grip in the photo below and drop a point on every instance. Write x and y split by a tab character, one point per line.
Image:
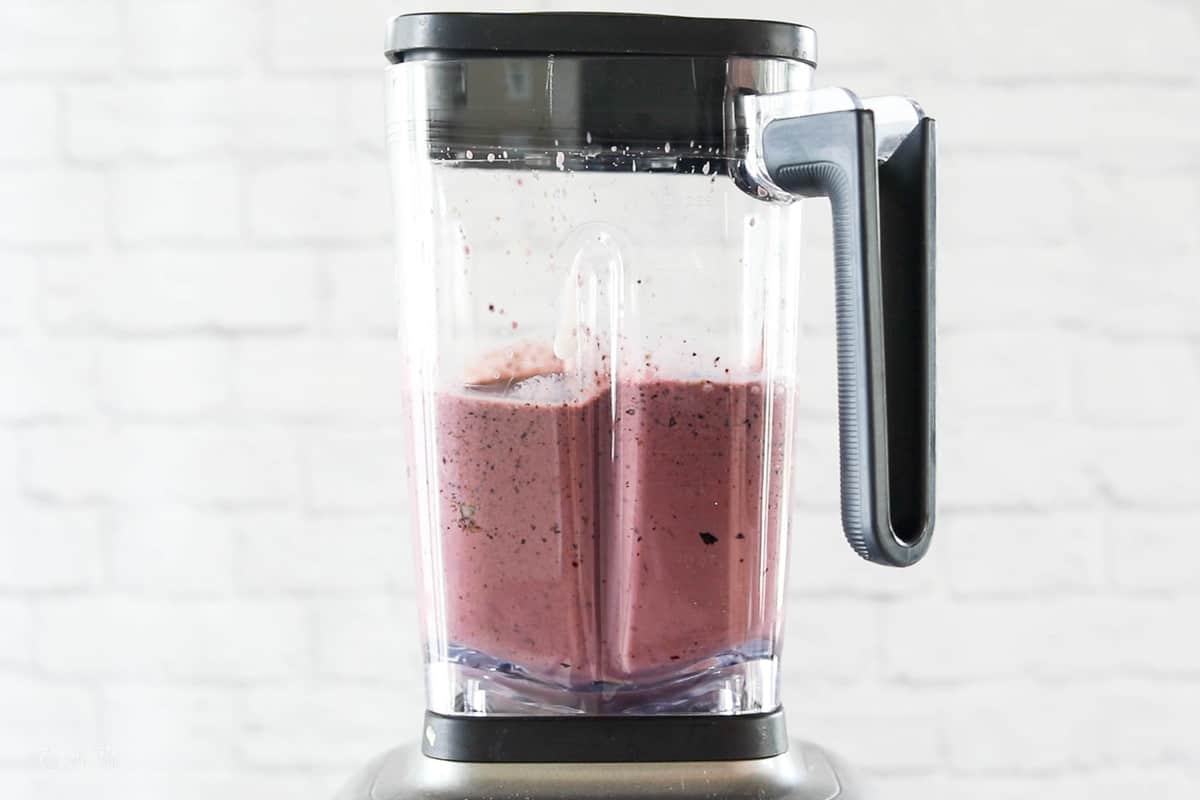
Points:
851	380
883	220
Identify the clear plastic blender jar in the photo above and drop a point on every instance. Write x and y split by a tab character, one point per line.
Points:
598	259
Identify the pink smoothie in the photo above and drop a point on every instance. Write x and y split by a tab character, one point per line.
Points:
585	541
519	503
690	557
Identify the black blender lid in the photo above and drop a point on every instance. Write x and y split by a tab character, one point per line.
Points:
580	33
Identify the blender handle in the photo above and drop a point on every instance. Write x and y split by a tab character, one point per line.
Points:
883	220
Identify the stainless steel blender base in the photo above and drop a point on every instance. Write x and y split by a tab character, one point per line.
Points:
804	772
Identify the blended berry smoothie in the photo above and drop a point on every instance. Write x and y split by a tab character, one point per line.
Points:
690	556
520	510
616	538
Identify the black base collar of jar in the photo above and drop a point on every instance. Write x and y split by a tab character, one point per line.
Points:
698	737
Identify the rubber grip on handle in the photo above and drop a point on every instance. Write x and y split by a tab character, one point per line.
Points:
884	231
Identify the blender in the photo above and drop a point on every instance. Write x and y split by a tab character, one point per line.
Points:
598	244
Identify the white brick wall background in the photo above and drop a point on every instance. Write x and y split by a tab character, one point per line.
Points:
205	582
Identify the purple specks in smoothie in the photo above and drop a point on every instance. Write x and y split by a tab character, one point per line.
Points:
597	594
